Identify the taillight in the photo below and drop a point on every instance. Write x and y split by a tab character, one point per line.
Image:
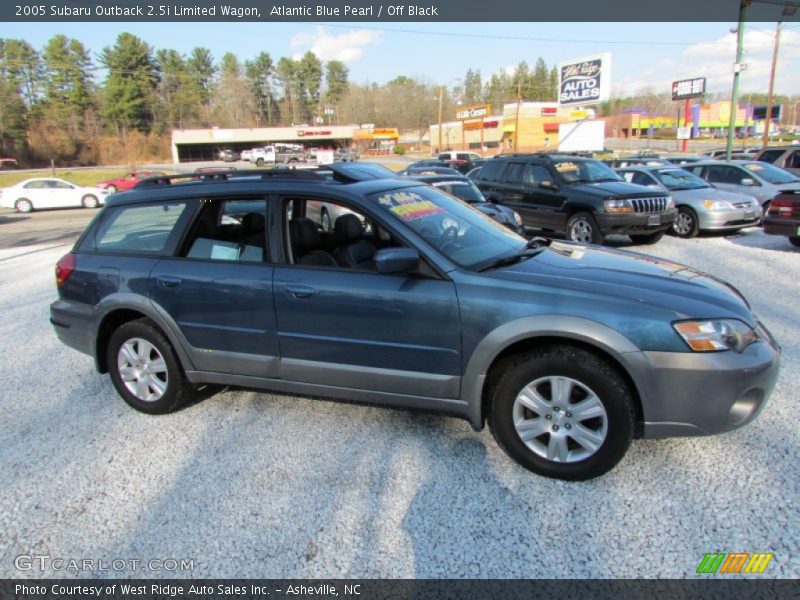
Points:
64	268
781	208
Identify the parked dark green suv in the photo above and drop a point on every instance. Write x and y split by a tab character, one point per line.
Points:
580	197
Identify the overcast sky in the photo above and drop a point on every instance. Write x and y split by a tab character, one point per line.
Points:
644	54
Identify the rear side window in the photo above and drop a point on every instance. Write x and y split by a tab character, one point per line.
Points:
514	173
444	156
793	162
139	229
770	156
491	170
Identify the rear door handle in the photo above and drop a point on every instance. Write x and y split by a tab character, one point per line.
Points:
298	291
168	281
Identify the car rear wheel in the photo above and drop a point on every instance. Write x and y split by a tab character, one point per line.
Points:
650	238
259	162
562	412
685	225
145	370
583	229
90	201
23	205
794	241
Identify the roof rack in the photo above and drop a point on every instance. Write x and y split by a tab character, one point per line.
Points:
220	176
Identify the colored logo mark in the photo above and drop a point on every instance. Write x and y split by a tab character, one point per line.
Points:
734	562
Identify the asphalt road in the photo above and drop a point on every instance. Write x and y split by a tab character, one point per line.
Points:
252	484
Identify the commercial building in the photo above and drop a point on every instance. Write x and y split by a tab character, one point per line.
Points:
473	130
707	120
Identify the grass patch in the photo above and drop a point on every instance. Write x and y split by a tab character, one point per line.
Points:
83	177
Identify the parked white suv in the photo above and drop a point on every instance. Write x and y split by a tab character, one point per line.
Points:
468	156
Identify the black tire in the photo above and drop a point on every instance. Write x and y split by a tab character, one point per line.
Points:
90	201
23	205
764	211
649	238
177	392
686	225
582	228
588	370
325	219
794	240
259	162
112	189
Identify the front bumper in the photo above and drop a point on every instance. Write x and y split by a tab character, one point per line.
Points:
634	223
782	226
692	393
727	219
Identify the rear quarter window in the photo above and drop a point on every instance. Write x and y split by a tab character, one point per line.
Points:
138	229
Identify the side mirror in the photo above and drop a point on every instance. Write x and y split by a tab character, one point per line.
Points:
548	185
396	260
748	181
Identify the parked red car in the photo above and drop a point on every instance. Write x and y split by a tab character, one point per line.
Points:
783	217
127	181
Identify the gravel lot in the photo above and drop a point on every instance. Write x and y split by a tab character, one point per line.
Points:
261	485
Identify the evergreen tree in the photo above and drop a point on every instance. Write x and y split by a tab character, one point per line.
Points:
130	84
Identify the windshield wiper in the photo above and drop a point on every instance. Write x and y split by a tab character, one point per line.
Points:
534	246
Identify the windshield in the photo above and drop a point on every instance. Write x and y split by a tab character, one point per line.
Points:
464	235
465	190
678	179
769	173
585	171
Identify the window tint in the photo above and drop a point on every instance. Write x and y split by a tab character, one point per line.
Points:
139	229
514	172
60	185
463	156
444	156
770	156
491	170
229	230
535	174
642	178
793	162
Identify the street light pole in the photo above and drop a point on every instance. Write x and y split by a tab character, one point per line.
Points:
441	94
737	67
767	121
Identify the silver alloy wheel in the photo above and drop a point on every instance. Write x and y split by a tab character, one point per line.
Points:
142	369
683	223
326	220
581	232
89	201
560	419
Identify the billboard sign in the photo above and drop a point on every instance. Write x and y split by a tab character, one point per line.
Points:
688	88
584	80
760	113
474	112
582	136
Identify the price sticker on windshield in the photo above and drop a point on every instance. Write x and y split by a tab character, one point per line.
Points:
566	167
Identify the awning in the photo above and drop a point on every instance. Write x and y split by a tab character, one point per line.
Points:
551	127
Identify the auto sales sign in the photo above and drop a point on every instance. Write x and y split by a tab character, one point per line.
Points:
584	80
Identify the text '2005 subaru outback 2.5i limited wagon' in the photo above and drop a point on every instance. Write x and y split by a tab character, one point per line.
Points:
413	300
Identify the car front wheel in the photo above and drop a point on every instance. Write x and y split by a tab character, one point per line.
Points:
583	229
685	225
145	370
562	412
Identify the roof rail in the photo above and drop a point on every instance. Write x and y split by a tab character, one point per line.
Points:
220	176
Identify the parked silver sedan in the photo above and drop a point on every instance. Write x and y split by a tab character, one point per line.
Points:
700	206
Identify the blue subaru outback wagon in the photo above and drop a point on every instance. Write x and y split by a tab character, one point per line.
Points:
413	299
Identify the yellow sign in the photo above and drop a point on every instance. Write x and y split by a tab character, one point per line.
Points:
577	115
724	111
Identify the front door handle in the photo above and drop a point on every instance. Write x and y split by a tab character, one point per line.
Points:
299	291
168	281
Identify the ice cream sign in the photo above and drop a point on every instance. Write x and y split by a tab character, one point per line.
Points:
584	80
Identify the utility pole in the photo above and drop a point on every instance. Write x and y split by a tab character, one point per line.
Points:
737	67
441	93
516	120
768	120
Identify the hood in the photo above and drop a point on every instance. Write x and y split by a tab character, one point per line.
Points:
632	277
616	189
712	193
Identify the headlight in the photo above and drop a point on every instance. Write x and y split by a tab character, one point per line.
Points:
717	335
717	205
670	202
517	218
618	206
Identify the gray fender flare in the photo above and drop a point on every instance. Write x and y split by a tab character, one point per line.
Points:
128	301
579	329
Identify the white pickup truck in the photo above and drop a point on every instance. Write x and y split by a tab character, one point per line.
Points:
271	155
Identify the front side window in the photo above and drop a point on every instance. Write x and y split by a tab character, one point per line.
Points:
514	173
722	174
139	229
536	174
464	235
